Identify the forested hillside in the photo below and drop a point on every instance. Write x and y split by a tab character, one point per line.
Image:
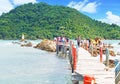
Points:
41	20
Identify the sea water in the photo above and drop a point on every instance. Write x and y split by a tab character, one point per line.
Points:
116	46
27	65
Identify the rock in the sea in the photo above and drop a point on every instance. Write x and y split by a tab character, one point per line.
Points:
47	45
22	40
111	63
112	53
110	46
95	53
27	44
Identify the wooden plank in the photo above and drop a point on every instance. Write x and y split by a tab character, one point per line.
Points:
90	65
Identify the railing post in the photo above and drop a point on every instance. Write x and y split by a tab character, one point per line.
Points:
76	52
71	56
57	47
74	58
117	72
107	57
87	44
101	54
70	53
63	48
91	49
117	69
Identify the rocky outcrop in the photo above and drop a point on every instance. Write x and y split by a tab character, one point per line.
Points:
24	43
107	46
22	40
111	63
29	44
47	45
112	53
96	51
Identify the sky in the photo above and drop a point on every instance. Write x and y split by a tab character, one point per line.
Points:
103	10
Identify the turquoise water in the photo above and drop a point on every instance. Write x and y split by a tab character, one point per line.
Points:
26	65
111	41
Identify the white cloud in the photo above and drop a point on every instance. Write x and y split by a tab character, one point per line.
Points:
77	5
111	18
20	2
5	6
90	7
84	6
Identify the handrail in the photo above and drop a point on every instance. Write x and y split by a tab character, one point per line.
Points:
117	65
117	75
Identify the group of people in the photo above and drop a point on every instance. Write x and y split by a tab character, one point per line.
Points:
61	39
62	43
87	43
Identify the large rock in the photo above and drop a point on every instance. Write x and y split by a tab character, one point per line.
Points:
47	45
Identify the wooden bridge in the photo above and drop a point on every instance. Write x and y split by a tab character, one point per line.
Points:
87	69
87	65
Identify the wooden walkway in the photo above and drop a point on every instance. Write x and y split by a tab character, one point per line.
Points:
86	64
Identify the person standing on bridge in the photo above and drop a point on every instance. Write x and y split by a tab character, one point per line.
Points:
78	41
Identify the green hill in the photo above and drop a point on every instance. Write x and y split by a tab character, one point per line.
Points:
45	21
